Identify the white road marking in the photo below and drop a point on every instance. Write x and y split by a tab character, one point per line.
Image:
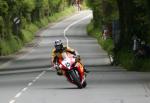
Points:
18	95
30	84
68	27
42	73
34	80
24	89
37	77
51	69
12	101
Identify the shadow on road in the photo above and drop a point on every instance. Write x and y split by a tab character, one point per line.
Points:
64	88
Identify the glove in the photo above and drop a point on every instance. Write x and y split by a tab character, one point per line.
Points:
56	66
77	57
58	69
59	72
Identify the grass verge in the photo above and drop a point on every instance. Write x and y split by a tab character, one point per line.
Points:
132	63
107	44
10	45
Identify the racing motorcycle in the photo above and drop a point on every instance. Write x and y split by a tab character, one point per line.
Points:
73	70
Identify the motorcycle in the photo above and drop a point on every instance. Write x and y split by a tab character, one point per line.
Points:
73	70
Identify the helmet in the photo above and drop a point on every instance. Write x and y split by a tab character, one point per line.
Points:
58	45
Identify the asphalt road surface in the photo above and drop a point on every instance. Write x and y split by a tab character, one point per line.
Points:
28	79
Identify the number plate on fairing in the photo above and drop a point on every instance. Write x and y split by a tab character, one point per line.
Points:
66	63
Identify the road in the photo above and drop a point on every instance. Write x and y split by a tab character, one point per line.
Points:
27	79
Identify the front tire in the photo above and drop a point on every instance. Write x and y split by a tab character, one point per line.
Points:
84	84
76	79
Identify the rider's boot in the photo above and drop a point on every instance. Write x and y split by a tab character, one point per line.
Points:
59	72
85	70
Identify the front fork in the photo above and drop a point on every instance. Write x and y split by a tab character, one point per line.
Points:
74	76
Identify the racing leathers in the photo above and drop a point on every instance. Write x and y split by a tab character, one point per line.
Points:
57	55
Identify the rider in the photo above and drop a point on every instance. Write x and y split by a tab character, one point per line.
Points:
57	54
78	4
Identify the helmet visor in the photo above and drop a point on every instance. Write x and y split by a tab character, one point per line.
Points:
58	47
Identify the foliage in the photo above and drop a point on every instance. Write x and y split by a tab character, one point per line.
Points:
106	44
93	31
3	7
125	59
104	11
134	19
26	36
10	45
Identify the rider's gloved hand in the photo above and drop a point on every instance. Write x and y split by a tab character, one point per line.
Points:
59	71
56	66
77	58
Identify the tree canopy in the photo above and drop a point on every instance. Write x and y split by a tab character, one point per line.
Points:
133	16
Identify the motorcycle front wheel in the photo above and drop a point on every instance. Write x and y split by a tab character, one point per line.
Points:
75	77
84	84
